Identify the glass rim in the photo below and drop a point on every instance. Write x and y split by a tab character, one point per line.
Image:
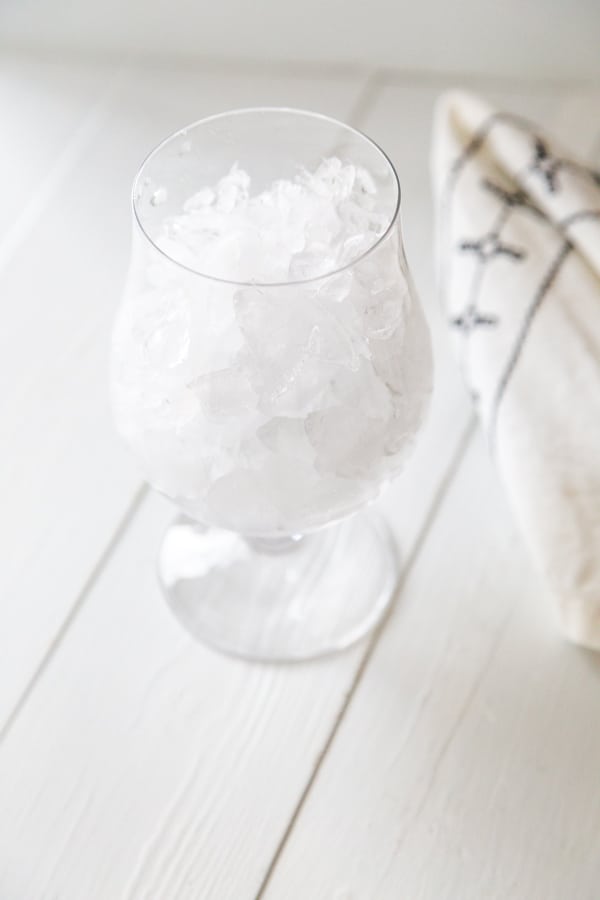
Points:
183	132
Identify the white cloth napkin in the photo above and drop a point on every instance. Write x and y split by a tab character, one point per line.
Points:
519	276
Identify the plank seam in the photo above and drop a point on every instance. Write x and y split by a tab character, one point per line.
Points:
75	609
451	735
438	500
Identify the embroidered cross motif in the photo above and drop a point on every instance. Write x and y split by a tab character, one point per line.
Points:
489	246
472	318
485	249
545	165
511	199
518	197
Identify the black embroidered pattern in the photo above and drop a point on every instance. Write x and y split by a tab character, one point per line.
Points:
545	165
470	150
511	199
490	245
471	318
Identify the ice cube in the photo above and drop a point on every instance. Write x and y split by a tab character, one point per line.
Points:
353	247
286	436
200	200
233	190
277	332
224	394
329	342
317	259
332	178
363	391
164	330
403	361
296	344
365	183
348	443
382	309
158	197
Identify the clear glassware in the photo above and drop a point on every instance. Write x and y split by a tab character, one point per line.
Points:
271	411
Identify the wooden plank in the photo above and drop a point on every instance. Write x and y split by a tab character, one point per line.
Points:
147	766
466	765
65	482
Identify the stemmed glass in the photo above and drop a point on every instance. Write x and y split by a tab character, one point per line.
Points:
270	369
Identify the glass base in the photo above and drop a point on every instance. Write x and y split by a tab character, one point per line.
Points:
280	600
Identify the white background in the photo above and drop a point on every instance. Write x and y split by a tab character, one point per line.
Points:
533	38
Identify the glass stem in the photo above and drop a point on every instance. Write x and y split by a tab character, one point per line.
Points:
284	544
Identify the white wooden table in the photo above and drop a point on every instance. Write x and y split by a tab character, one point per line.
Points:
454	755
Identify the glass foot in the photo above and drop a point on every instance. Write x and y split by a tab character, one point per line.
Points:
280	600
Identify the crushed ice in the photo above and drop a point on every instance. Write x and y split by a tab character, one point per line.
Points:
293	230
272	409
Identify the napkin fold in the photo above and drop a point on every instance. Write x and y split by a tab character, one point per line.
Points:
518	253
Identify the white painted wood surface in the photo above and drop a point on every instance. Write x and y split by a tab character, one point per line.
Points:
451	755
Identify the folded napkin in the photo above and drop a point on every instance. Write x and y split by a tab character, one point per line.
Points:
519	276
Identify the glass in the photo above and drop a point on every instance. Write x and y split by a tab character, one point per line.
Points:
270	376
